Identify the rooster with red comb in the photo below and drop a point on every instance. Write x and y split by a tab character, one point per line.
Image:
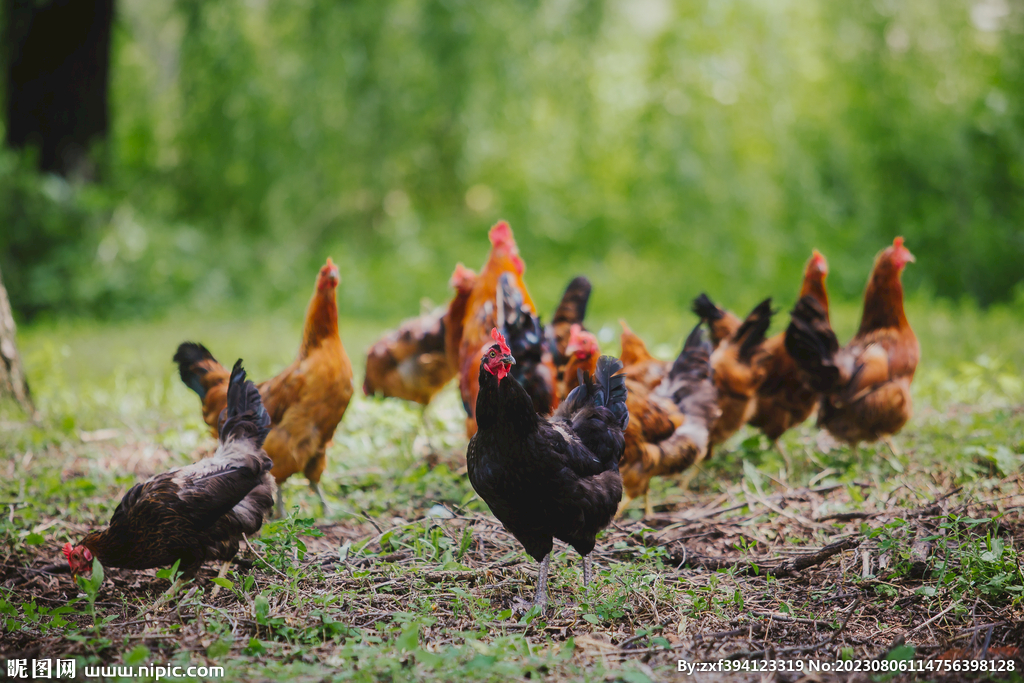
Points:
553	477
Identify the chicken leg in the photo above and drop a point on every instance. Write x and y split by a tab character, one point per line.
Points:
540	598
626	500
587	570
325	509
279	503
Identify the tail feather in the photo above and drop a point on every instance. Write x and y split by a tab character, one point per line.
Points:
245	417
605	389
190	358
753	329
811	342
573	307
706	309
693	360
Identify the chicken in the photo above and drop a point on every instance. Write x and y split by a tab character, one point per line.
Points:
571	311
738	366
785	399
306	401
669	427
866	384
412	362
535	368
547	478
640	365
581	352
196	513
721	323
462	281
482	314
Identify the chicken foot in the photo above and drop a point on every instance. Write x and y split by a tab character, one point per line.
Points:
325	509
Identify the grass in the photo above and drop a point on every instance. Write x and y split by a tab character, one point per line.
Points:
411	578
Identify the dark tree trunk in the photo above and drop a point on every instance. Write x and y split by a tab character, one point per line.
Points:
12	375
58	66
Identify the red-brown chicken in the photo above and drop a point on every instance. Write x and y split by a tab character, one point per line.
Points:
640	365
672	422
668	425
571	311
785	399
547	478
482	314
866	384
412	362
306	401
196	513
738	363
462	281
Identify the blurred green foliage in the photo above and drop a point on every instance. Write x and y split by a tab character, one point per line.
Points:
661	147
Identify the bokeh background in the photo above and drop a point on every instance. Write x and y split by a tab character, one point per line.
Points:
661	147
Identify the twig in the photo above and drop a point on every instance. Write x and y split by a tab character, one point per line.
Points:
775	616
932	620
805	649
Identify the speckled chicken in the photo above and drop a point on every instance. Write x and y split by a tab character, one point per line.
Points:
412	362
196	513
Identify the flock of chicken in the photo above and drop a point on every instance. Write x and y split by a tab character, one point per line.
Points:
562	438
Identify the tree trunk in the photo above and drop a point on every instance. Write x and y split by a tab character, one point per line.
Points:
58	71
12	375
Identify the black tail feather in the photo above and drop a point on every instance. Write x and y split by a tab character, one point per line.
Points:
612	388
694	359
706	309
753	329
187	356
573	307
811	342
245	415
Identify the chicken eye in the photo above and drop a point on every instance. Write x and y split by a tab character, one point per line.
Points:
493	354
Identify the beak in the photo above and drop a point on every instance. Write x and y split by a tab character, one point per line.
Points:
507	359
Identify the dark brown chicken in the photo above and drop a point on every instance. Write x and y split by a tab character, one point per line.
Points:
196	513
738	364
785	399
306	401
412	361
866	384
547	478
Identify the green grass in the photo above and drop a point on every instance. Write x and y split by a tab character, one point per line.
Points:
388	590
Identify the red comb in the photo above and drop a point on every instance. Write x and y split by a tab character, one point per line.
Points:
496	336
67	551
460	275
898	242
501	235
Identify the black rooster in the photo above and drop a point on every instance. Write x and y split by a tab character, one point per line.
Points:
198	512
547	478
